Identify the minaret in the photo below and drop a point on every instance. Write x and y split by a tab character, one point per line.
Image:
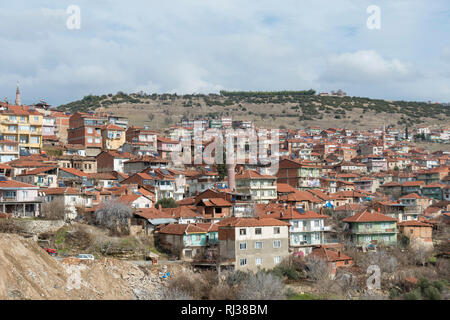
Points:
231	176
17	102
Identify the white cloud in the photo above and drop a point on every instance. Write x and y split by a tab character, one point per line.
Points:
205	46
365	65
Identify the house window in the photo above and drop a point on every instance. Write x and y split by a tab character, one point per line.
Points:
242	232
277	244
316	223
295	224
258	261
89	130
346	261
276	259
243	245
276	230
368	226
10	194
258	245
243	262
258	231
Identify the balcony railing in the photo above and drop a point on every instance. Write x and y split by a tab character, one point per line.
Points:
375	231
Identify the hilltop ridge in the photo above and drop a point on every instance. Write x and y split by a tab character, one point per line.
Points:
284	109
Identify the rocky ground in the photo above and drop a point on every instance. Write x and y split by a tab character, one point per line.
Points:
28	272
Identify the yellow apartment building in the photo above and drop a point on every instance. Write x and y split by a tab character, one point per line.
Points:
22	124
113	137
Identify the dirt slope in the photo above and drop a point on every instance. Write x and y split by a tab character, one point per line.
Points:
28	272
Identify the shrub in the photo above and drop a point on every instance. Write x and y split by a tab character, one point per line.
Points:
393	293
432	293
413	295
167	203
8	226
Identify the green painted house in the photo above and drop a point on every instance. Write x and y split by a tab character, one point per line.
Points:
372	228
434	191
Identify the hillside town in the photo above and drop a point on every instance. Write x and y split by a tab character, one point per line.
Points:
332	188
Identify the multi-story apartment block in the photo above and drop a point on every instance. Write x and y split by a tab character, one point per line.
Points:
9	150
19	199
113	136
62	124
86	129
22	124
141	141
372	228
253	243
262	188
299	175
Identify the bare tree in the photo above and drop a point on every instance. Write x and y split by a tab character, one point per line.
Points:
316	268
114	216
174	294
54	210
261	286
7	225
420	252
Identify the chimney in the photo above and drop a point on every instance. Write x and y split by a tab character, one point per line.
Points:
339	253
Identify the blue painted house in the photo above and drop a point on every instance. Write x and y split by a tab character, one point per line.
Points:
188	241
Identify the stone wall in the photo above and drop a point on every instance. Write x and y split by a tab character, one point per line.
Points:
40	226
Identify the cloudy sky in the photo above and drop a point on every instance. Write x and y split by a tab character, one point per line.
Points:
203	46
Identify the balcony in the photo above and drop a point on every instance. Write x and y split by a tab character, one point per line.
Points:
166	188
374	231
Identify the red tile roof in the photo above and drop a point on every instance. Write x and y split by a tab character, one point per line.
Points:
330	255
15	184
180	229
413	223
152	213
368	216
412	196
74	171
129	198
253	174
217	202
251	222
285	188
37	171
181	212
65	190
413	183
